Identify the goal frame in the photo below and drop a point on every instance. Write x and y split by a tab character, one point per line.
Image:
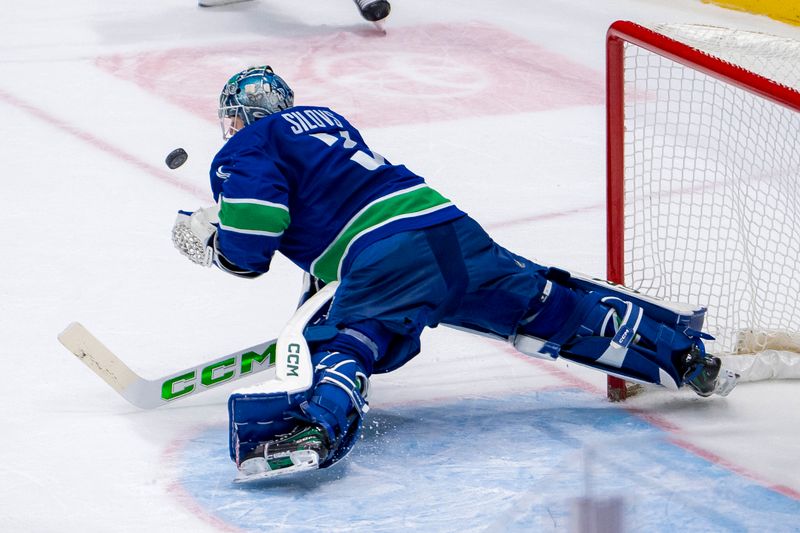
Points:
620	33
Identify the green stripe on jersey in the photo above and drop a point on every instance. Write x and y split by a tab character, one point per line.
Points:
255	217
416	201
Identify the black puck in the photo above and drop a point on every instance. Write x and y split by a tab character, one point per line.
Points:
176	158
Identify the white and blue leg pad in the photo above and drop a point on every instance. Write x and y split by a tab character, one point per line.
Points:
327	389
613	329
266	410
259	417
336	403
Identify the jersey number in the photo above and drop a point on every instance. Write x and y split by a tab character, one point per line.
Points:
368	161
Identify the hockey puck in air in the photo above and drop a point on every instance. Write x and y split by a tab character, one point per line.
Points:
176	158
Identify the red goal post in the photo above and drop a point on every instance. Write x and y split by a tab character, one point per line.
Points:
669	74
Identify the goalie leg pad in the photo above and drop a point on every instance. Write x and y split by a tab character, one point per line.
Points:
614	329
336	404
258	417
339	402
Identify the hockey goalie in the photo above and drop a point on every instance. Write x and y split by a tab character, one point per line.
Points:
392	256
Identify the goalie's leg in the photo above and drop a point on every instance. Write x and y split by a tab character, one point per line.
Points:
276	434
623	333
550	313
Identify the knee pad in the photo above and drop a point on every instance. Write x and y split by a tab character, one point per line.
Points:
613	329
367	341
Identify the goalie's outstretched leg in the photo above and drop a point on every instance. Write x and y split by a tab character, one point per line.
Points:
622	333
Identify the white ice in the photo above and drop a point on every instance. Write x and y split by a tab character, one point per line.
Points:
468	435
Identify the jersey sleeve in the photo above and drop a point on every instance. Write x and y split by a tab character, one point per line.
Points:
253	211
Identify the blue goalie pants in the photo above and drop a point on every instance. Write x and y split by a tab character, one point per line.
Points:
455	274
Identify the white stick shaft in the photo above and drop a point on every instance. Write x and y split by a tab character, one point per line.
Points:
96	356
148	394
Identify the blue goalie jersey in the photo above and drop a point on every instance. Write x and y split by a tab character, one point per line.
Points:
305	183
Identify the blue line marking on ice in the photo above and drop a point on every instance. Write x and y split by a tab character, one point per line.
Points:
500	464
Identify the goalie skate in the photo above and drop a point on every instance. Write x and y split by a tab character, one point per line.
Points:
704	374
299	451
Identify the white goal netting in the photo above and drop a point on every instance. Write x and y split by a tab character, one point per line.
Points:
712	189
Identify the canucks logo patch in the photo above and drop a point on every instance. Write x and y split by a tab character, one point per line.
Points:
221	174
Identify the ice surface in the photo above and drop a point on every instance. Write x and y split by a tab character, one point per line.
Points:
499	105
507	464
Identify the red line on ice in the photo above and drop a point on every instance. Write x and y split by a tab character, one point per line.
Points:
657	421
103	146
176	489
544	216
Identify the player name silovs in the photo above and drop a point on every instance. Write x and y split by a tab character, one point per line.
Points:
217	372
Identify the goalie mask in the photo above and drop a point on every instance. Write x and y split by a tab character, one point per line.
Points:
250	95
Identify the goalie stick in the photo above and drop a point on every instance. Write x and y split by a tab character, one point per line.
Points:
149	394
294	357
152	393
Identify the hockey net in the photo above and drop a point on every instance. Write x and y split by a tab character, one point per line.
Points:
704	183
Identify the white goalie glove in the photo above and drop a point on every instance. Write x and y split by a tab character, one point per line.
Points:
193	234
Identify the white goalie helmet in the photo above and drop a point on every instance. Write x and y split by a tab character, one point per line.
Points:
250	95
